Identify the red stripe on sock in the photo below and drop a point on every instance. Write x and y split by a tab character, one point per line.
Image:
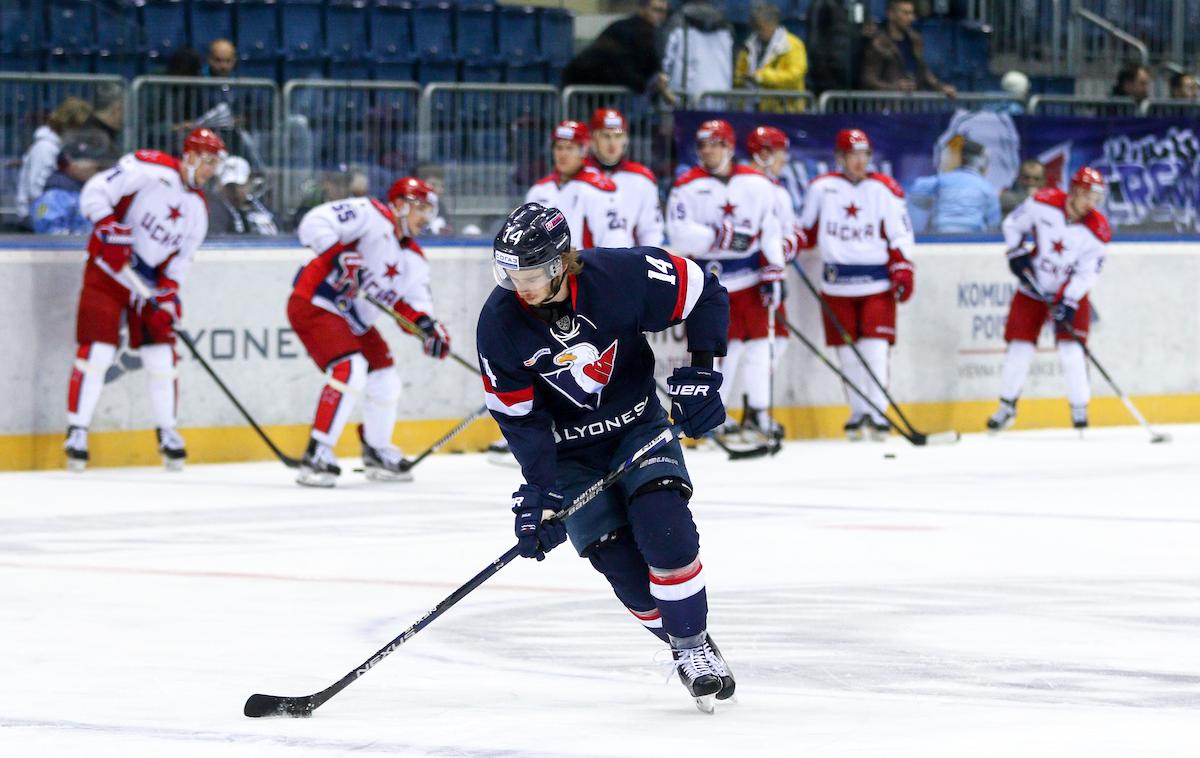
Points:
677	579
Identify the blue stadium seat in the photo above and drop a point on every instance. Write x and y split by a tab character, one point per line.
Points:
557	35
257	29
71	28
69	62
210	19
20	28
481	71
117	31
433	29
475	33
526	72
517	33
258	68
346	23
128	66
302	26
939	44
353	69
437	70
391	30
303	68
165	25
395	70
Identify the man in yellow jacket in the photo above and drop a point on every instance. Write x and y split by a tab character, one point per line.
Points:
773	58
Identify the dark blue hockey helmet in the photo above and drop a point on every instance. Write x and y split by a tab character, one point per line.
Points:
534	237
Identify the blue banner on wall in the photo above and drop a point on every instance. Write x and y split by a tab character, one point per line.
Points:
1152	164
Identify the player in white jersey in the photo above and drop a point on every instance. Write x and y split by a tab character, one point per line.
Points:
149	217
723	216
363	247
769	150
1058	241
859	221
638	208
585	196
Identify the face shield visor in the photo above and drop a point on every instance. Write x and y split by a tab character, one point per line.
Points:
509	274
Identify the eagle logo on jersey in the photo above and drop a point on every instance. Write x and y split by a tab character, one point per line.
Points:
584	371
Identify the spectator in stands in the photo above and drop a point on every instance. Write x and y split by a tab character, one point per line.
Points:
626	54
835	42
895	58
699	52
83	154
1184	86
773	58
235	209
1030	178
41	159
222	58
960	200
108	111
1133	80
185	62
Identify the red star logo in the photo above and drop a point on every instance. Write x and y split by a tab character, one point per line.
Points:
728	208
852	210
174	214
1058	246
392	271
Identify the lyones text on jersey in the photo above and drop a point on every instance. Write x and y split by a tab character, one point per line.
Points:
598	428
849	232
158	233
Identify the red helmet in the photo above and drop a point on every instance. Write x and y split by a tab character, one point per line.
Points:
1090	179
572	131
716	131
204	140
853	140
608	118
412	188
766	138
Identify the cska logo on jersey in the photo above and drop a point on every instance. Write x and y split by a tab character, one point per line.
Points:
584	373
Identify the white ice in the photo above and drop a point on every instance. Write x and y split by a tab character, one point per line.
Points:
1027	595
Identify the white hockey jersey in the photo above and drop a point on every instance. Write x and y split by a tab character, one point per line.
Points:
856	226
169	219
786	213
1067	256
637	201
394	271
701	203
589	201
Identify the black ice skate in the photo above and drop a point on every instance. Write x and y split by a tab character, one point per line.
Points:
702	671
877	429
1004	416
727	684
384	464
76	448
318	467
499	454
170	444
854	428
758	424
1079	418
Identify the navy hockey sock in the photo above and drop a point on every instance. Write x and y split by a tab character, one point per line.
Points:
618	559
668	541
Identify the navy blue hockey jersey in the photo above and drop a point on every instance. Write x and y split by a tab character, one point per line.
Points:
589	375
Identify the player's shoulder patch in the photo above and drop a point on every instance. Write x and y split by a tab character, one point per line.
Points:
637	168
158	158
596	179
691	175
888	182
1097	224
1052	196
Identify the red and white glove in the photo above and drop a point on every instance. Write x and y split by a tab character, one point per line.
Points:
111	242
164	309
437	339
727	237
900	271
349	266
771	287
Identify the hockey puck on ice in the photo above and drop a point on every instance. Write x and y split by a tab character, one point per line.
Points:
889	455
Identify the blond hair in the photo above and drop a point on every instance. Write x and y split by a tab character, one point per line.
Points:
71	113
572	263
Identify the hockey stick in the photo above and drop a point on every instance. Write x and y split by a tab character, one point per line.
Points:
415	330
774	444
939	438
758	451
407	465
1155	436
144	293
258	706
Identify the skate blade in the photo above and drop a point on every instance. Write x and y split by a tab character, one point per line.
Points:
502	459
376	474
706	703
854	436
172	464
75	465
316	479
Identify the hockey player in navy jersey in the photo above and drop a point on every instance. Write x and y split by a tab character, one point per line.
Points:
569	377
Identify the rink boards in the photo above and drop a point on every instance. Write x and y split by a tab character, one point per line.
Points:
945	369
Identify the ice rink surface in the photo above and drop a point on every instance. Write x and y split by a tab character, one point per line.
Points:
1026	595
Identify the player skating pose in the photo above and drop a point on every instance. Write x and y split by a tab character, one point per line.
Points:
1058	240
569	377
362	247
150	215
860	223
638	208
723	215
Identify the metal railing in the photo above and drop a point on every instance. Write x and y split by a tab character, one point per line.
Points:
1169	108
342	137
766	101
853	101
26	100
648	125
492	140
1075	105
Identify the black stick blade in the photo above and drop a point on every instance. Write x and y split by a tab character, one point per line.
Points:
261	706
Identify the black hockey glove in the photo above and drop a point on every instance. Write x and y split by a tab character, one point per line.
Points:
536	533
437	341
695	403
1064	317
1020	262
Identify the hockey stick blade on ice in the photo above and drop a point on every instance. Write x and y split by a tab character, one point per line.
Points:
144	293
259	706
